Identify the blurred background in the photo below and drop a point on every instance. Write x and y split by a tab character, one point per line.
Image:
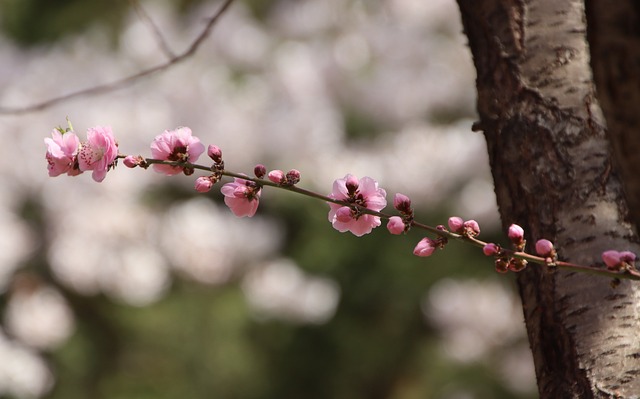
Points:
139	287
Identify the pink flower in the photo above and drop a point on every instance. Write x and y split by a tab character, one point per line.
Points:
62	153
364	192
99	152
176	145
545	248
516	234
242	197
425	247
203	184
456	224
395	225
491	249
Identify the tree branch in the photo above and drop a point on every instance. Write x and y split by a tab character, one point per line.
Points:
126	81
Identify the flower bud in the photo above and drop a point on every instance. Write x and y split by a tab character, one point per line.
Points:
517	264
130	161
293	177
627	257
545	248
259	170
276	176
402	203
214	153
491	249
203	184
395	225
516	234
425	247
502	265
456	224
471	228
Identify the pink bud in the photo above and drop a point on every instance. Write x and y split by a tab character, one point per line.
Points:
628	257
472	228
516	234
456	224
259	170
491	249
395	225
203	184
130	161
214	153
425	247
344	214
402	203
544	248
276	176
616	260
611	258
293	176
351	183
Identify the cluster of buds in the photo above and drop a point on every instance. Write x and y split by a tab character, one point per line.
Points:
619	261
469	228
277	176
504	262
401	224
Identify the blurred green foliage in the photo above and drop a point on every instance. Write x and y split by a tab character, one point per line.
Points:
32	22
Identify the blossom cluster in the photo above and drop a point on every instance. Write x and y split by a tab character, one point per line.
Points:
66	154
355	205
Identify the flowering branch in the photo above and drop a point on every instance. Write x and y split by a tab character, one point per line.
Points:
355	204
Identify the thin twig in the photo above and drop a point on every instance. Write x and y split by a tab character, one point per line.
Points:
162	43
628	274
124	82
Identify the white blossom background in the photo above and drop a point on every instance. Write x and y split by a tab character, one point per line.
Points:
400	60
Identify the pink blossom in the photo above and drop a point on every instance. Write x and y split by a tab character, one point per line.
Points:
62	151
516	234
395	225
491	249
203	184
99	152
425	247
364	192
544	248
456	224
242	197
175	145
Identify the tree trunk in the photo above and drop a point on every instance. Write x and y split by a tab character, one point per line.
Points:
614	38
554	175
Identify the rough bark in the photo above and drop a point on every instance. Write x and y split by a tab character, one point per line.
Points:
553	175
614	38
